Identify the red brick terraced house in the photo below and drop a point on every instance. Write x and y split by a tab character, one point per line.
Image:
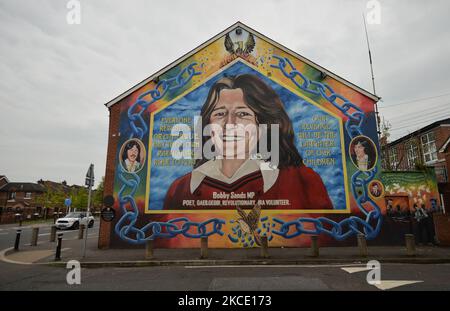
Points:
19	198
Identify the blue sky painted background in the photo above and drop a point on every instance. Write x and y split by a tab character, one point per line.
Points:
299	110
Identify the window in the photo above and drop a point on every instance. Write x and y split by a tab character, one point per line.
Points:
412	154
27	195
429	147
12	196
441	174
393	159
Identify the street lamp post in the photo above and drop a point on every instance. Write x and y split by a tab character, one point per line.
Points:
89	183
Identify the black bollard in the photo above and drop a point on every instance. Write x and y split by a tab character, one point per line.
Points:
16	243
58	247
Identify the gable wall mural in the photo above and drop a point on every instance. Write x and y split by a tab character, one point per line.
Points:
316	179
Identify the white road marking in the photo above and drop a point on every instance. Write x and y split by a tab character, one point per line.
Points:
392	284
353	270
272	266
383	285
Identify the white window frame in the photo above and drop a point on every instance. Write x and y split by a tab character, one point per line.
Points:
429	147
27	195
412	153
393	157
443	169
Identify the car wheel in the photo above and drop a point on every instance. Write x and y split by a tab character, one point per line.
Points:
76	225
91	224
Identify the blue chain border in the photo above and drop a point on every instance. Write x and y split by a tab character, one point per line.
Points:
126	226
360	179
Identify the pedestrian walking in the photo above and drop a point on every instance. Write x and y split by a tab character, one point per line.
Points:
422	220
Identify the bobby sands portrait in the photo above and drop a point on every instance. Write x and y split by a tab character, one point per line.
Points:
235	174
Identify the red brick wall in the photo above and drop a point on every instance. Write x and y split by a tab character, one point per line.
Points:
442	133
113	138
442	227
444	188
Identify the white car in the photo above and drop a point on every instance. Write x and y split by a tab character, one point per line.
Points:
73	220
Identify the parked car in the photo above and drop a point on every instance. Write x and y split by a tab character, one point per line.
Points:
73	220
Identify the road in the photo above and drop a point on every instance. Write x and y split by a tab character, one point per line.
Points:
8	233
325	277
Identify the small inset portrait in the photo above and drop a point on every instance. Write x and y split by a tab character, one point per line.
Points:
376	189
132	155
363	153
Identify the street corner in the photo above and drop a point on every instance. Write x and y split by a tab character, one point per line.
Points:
28	257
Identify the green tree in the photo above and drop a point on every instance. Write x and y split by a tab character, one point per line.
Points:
98	196
79	198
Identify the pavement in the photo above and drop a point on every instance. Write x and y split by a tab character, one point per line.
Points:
72	248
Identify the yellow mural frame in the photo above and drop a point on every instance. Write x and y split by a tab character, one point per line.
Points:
347	210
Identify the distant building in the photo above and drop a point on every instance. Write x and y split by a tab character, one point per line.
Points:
426	147
19	198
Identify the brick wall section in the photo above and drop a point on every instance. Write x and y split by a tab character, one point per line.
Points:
442	227
113	138
444	188
442	133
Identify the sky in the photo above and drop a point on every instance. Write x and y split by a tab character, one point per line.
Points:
56	77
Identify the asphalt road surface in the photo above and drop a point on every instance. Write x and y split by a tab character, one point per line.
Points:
33	277
220	278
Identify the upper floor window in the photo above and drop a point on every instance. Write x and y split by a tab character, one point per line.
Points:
412	154
393	158
441	174
12	196
27	195
429	147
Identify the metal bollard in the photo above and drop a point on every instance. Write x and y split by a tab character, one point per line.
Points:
53	234
81	232
362	245
16	243
204	247
410	244
58	247
314	246
34	236
264	247
149	250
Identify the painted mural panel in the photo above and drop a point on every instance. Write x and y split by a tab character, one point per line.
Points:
406	190
308	165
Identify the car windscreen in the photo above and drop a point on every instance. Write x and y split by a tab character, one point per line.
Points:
73	215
